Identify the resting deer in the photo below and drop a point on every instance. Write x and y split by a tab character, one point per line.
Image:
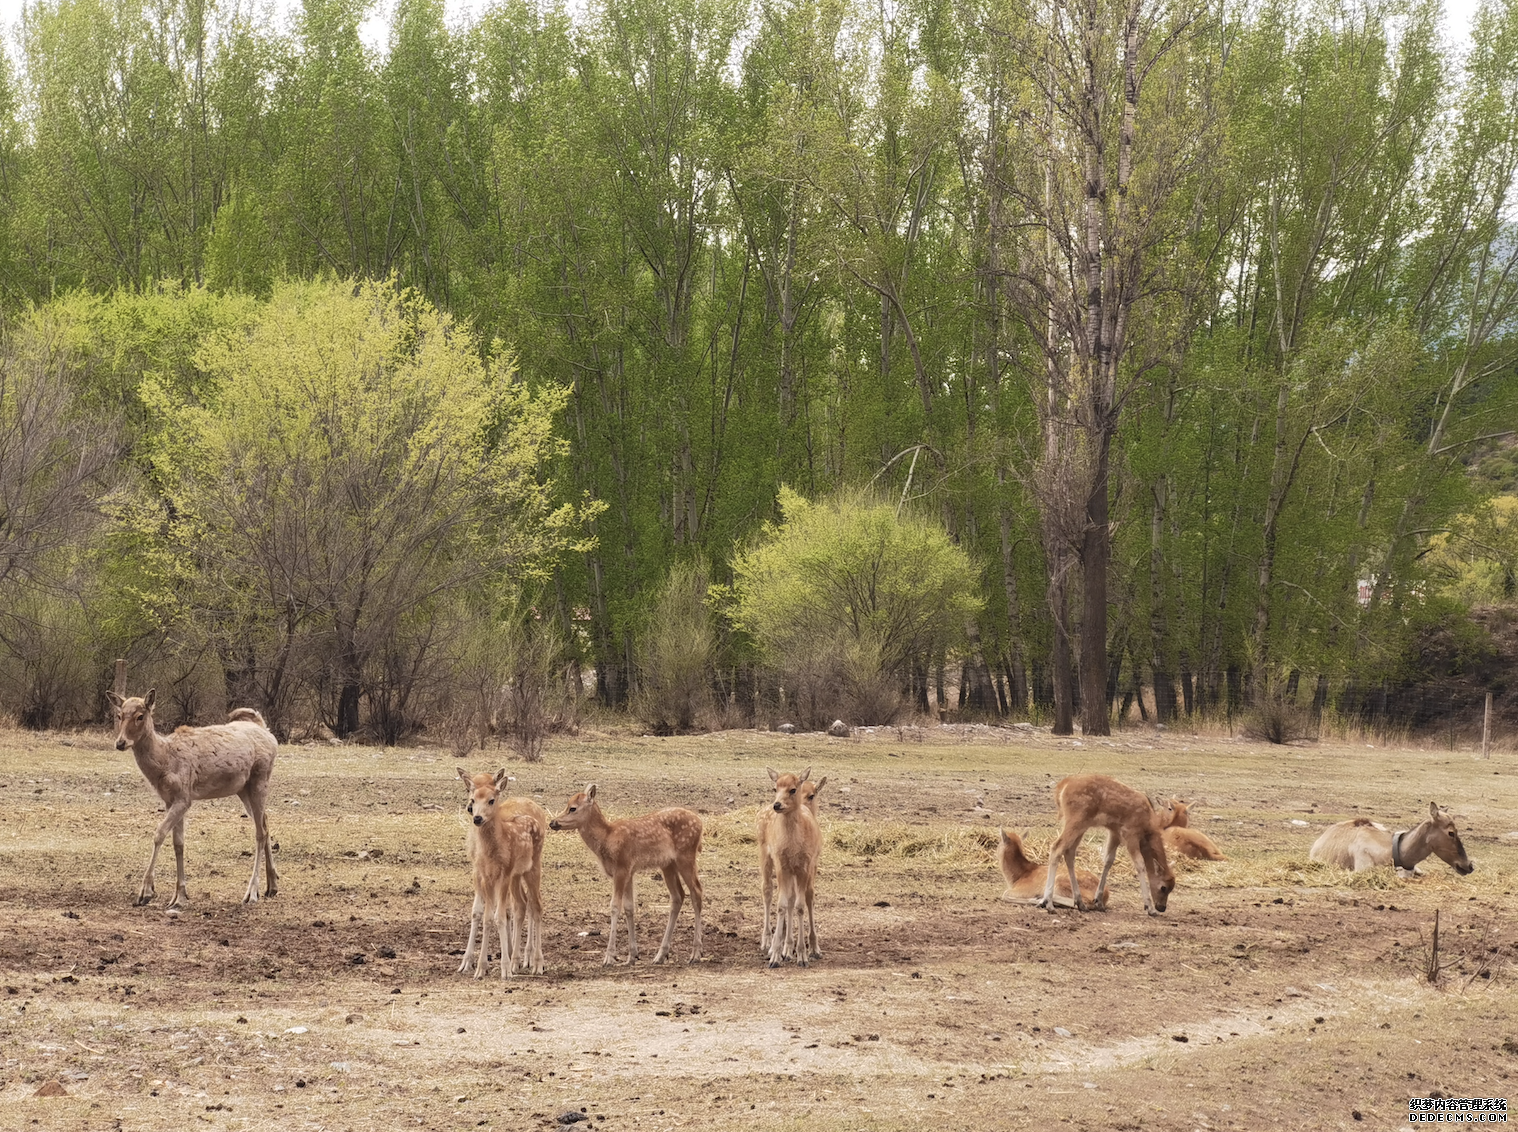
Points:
1024	882
1094	800
1362	844
807	790
506	853
195	763
668	841
792	841
1181	839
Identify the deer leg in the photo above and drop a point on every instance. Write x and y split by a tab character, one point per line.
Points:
617	885
697	898
181	894
1055	852
487	917
1109	855
767	867
811	920
170	820
676	901
780	937
476	914
259	847
533	905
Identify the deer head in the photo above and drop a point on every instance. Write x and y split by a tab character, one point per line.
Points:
1444	840
577	810
134	717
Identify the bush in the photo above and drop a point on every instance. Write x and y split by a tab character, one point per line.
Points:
1276	720
842	595
675	653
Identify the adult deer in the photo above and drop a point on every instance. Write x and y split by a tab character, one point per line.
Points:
1085	801
792	842
195	763
667	840
1024	882
1180	839
506	855
1362	844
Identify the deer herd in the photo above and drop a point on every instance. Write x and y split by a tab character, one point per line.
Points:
506	837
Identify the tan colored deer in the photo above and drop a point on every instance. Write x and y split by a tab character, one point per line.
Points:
807	790
196	763
506	854
792	842
1085	801
1362	844
667	841
1025	882
1180	839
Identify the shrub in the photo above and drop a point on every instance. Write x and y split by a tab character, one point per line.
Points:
675	653
842	594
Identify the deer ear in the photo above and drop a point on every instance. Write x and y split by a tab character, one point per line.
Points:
590	791
1433	809
500	778
116	701
464	774
774	776
1004	838
150	698
806	774
821	782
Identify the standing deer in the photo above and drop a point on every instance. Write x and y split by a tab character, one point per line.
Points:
1087	800
793	842
1362	844
506	854
668	841
804	788
196	763
1181	839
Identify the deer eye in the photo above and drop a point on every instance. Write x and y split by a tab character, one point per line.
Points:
793	790
492	801
571	809
141	716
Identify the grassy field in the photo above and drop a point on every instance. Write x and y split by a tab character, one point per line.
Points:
1273	993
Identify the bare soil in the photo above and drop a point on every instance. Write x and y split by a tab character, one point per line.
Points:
1272	993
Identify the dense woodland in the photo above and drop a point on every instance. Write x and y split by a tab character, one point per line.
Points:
404	389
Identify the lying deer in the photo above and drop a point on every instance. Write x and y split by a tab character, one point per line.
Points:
792	842
196	763
1362	844
506	853
1181	839
1025	884
1094	800
807	790
668	841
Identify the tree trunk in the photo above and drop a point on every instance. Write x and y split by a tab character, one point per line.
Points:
1095	552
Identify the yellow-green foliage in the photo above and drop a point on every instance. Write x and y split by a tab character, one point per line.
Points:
1478	557
844	590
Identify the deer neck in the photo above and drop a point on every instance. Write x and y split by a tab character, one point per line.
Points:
594	830
1411	846
151	754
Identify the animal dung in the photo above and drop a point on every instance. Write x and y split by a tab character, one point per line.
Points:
51	1089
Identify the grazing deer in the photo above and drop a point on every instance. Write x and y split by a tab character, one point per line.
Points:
1094	800
1024	883
667	840
196	763
790	840
506	853
1362	844
1181	839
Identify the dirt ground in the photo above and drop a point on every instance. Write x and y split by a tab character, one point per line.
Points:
1273	993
